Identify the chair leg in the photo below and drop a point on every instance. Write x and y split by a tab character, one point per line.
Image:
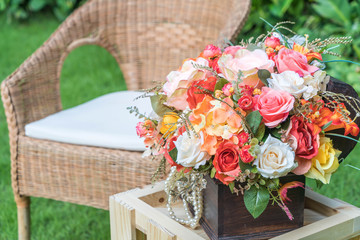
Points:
23	211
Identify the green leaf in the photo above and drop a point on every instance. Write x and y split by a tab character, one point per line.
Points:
256	200
221	83
231	186
264	75
204	168
273	184
275	132
254	120
157	103
213	171
173	154
319	184
326	125
244	166
260	132
343	136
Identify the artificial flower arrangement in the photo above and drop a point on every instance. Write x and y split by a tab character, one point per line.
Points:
249	114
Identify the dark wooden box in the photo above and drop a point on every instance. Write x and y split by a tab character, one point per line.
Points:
225	216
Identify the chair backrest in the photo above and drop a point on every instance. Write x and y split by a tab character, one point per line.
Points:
149	38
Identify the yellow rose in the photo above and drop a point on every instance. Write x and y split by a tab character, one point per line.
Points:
168	124
325	162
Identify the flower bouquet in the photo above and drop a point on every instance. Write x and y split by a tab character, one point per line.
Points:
245	117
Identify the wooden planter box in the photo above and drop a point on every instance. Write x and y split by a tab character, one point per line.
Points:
226	217
140	212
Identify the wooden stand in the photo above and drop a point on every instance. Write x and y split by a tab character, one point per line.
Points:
144	211
226	217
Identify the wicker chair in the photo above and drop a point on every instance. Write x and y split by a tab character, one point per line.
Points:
147	39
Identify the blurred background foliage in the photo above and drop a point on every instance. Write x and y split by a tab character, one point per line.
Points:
318	18
22	10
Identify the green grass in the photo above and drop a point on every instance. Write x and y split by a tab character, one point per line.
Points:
88	72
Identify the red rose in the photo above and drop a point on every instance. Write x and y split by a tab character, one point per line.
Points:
245	156
243	138
246	102
272	42
306	137
226	162
195	94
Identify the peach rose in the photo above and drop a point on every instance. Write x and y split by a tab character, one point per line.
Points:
248	62
177	82
290	60
232	50
274	106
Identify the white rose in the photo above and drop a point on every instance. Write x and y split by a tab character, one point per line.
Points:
189	150
181	78
290	82
317	83
276	158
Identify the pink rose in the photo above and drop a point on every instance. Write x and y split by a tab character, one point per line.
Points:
210	51
290	60
274	106
248	63
272	42
140	129
144	129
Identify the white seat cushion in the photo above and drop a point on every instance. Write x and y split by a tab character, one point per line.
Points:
102	122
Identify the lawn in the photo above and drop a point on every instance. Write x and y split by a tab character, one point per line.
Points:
88	72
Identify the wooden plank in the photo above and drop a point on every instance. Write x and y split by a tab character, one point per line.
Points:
125	224
148	190
339	226
144	212
158	232
320	203
325	217
113	218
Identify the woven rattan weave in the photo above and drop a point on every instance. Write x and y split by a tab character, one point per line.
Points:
148	38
